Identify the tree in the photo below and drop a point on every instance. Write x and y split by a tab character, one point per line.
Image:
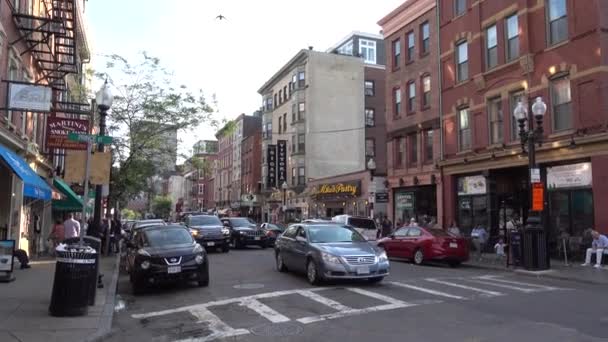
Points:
129	214
161	207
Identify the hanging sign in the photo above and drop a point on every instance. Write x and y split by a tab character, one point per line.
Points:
29	97
569	176
58	130
473	185
281	161
271	157
538	197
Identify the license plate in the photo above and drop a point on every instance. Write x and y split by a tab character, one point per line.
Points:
453	245
211	243
363	270
174	269
257	238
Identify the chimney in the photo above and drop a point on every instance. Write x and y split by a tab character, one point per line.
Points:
310	48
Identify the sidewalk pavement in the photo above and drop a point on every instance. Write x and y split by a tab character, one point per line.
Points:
559	270
24	307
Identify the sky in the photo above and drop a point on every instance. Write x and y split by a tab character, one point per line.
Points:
230	58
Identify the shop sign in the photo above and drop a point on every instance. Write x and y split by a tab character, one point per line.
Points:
538	197
29	97
569	176
348	189
404	200
271	157
282	161
58	129
472	185
7	248
382	197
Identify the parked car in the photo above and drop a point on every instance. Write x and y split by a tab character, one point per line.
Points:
329	251
137	225
209	231
272	231
364	225
166	253
245	232
423	244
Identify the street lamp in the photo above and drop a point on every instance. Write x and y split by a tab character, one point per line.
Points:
284	187
535	242
371	166
104	100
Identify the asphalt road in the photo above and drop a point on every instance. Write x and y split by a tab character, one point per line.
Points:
248	300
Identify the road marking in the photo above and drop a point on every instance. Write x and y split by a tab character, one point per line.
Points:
470	288
324	300
218	328
425	290
496	278
264	310
505	286
353	312
378	296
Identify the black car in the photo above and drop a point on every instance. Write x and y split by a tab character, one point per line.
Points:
245	232
273	231
209	231
163	254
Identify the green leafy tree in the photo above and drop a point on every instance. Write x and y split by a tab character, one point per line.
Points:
129	214
161	206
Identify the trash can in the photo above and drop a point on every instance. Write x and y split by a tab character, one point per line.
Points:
94	243
535	256
74	272
515	248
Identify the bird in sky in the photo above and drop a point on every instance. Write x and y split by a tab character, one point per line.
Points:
221	17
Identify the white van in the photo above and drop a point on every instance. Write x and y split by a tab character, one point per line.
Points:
364	225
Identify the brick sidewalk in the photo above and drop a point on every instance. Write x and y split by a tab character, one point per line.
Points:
24	308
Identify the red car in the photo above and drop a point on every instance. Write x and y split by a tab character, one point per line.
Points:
422	244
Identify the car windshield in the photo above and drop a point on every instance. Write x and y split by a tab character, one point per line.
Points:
149	223
167	236
205	221
329	234
438	233
241	221
273	227
361	223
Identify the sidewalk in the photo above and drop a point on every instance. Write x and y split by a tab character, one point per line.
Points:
24	307
559	270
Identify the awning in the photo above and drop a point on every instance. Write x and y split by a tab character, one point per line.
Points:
33	185
73	202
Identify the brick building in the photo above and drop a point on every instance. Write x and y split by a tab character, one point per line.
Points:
494	54
223	168
412	115
251	173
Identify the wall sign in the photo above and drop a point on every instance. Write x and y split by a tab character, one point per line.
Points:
271	157
569	176
57	130
29	97
404	200
381	197
472	185
351	189
281	161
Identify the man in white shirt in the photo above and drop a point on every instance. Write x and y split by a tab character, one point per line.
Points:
598	246
71	227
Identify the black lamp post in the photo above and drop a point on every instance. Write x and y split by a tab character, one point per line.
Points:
284	187
371	166
536	254
104	101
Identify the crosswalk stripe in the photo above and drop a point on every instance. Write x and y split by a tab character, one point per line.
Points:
505	286
470	288
218	328
264	310
495	278
352	312
324	300
425	290
378	296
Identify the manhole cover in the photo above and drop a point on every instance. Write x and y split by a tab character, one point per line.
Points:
248	286
277	330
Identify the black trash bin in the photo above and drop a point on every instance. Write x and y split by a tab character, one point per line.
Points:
95	243
74	272
515	248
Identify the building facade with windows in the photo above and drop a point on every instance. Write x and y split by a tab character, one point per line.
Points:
223	168
412	114
201	187
495	54
245	126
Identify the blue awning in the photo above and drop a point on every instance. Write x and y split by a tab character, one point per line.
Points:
33	185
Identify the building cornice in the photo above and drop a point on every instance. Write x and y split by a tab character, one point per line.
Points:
404	15
300	56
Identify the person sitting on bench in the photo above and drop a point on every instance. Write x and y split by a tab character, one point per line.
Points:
598	246
21	255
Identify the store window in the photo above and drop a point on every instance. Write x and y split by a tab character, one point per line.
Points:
472	203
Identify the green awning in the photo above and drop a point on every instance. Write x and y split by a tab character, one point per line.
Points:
73	202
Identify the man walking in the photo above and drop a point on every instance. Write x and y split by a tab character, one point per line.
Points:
71	227
598	246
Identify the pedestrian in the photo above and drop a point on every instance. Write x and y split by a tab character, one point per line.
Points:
480	237
386	227
21	255
453	229
598	246
413	222
116	235
71	227
57	235
499	248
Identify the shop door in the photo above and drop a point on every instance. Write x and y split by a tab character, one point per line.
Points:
570	213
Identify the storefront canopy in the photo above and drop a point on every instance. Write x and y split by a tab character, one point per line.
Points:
73	202
33	185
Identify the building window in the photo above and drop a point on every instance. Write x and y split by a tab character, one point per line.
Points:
410	46
514	99
413	149
285	93
512	37
292	84
370	117
301	79
491	47
280	125
280	97
367	49
464	129
301	175
428	146
462	61
269	103
301	110
301	143
426	91
558	21
411	96
346	49
293	176
370	148
285	123
399	151
425	31
396	53
562	103
294	110
397	101
460	6
269	130
276	103
370	88
495	116
201	189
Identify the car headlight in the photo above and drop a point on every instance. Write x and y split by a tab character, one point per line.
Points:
194	232
225	231
199	259
332	259
382	257
144	265
143	252
243	233
198	249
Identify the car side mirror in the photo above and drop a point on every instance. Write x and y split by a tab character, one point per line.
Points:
300	239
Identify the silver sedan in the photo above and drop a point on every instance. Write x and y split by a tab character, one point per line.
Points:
329	251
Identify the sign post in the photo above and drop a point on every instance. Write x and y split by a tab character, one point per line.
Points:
538	193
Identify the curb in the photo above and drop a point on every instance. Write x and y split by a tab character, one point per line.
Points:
538	275
105	321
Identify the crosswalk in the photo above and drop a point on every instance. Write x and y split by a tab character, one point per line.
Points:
391	295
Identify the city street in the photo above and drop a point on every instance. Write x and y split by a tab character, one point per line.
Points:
248	300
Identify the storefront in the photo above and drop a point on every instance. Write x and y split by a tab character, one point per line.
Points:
472	204
415	202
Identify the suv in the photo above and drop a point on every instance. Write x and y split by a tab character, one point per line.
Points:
209	231
364	225
245	232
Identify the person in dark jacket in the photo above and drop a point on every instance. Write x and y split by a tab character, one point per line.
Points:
116	235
